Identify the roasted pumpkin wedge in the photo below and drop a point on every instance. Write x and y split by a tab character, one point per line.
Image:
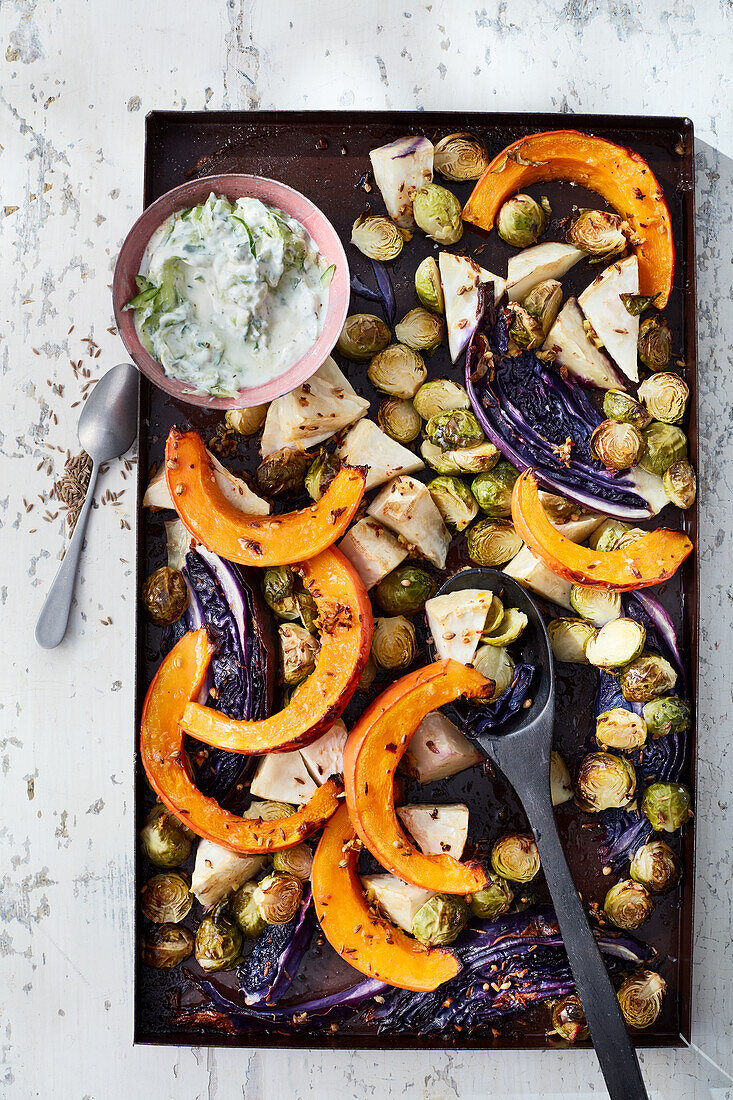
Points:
650	560
345	623
373	750
367	941
178	680
619	175
248	539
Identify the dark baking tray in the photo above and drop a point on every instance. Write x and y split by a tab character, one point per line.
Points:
324	154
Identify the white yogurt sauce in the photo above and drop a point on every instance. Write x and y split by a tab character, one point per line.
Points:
231	295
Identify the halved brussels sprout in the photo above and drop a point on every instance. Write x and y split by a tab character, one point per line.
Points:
640	997
604	782
296	861
398	418
278	897
398	371
437	212
245	912
656	867
492	542
568	1019
283	472
394	644
321	472
597	232
421	330
628	905
460	157
568	639
561	785
636	304
246	421
440	920
298	652
524	329
680	484
454	428
607	534
595	604
497	664
617	444
363	335
494	900
626	538
165	840
521	221
454	500
405	590
278	588
619	405
620	729
268	811
428	285
218	944
543	303
440	395
670	714
493	616
667	806
655	343
368	675
560	509
665	396
515	857
165	596
166	945
465	460
493	489
166	899
646	678
509	628
377	236
616	644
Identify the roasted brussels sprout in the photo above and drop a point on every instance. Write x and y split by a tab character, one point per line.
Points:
493	616
561	785
568	639
454	428
524	329
438	396
394	644
398	418
655	343
460	157
268	811
597	232
656	867
680	484
618	405
568	1019
298	652
421	330
492	542
620	729
595	604
428	285
628	905
246	421
454	500
617	444
646	678
616	644
405	591
521	221
665	396
294	861
437	212
165	840
368	675
496	664
640	997
670	714
165	596
362	336
493	489
245	912
166	899
667	806
398	371
515	857
507	630
636	304
465	460
543	303
278	897
218	944
278	588
377	236
321	472
606	536
494	900
604	782
166	945
440	920
282	472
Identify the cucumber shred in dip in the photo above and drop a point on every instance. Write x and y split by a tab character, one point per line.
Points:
231	294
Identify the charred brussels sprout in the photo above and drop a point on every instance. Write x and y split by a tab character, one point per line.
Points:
595	604
494	900
620	729
246	421
420	330
245	912
362	336
294	861
282	472
604	782
597	232
278	588
616	644
298	652
680	484
454	428
405	591
568	1019
646	678
628	905
496	664
568	639
460	157
438	396
437	212
165	841
640	997
166	899
543	303
515	857
394	644
561	785
521	221
428	285
492	542
618	405
440	920
278	898
377	237
617	444
665	396
398	371
399	419
465	460
670	714
165	596
667	806
493	489
218	944
524	329
655	343
166	945
454	500
656	867
268	811
321	472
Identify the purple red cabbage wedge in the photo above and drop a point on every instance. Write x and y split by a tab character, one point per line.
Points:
268	970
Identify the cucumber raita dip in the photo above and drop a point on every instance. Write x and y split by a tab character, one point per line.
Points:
231	295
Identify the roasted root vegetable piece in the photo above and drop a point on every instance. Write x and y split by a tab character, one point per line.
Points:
622	177
365	940
373	752
650	560
439	750
345	622
254	540
178	680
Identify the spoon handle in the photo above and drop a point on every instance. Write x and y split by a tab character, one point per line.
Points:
54	617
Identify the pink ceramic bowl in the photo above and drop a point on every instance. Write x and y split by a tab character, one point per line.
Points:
233	187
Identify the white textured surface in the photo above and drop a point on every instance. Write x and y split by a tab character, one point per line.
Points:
76	80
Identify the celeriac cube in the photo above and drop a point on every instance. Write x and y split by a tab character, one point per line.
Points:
436	829
283	777
325	757
372	550
398	900
456	621
219	872
367	445
438	750
406	507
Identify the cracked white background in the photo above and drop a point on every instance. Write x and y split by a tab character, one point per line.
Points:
76	79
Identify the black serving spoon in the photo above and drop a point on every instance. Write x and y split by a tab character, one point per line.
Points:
521	748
